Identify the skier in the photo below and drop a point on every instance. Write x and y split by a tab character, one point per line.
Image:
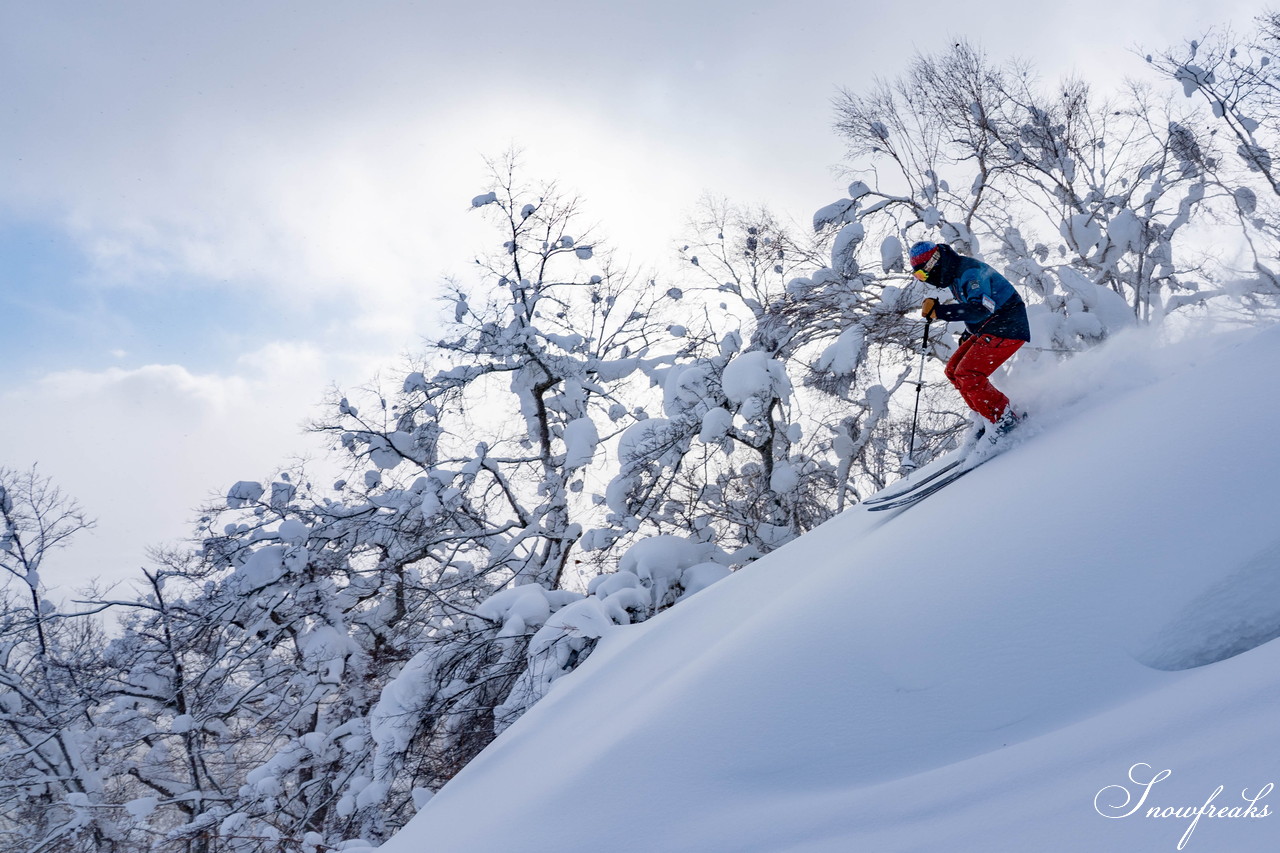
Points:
995	318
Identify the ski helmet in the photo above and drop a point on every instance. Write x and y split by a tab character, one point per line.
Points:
924	258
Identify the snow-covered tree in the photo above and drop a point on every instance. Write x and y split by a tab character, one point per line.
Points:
337	652
770	415
198	690
1082	201
53	795
1236	79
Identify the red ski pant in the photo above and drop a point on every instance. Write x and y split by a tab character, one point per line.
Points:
970	368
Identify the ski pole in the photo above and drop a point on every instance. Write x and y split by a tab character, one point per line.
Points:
924	349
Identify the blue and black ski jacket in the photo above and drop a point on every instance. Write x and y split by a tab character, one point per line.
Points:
985	300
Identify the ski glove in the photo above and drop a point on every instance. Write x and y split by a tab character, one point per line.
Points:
929	308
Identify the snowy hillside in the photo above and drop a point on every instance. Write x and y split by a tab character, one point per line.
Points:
997	668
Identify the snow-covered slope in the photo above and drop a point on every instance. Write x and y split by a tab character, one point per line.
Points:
981	672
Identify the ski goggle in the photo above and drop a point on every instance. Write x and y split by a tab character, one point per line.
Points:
923	272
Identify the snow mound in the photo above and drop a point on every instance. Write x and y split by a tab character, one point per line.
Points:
1236	614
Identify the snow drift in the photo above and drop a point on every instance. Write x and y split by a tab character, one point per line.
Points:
1003	666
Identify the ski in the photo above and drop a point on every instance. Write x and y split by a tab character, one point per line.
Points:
886	497
935	484
893	493
916	495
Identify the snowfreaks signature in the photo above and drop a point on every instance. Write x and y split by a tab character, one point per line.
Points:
1118	801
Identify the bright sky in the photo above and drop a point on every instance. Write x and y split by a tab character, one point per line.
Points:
209	213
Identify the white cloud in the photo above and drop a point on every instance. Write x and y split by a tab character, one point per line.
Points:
299	159
142	449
